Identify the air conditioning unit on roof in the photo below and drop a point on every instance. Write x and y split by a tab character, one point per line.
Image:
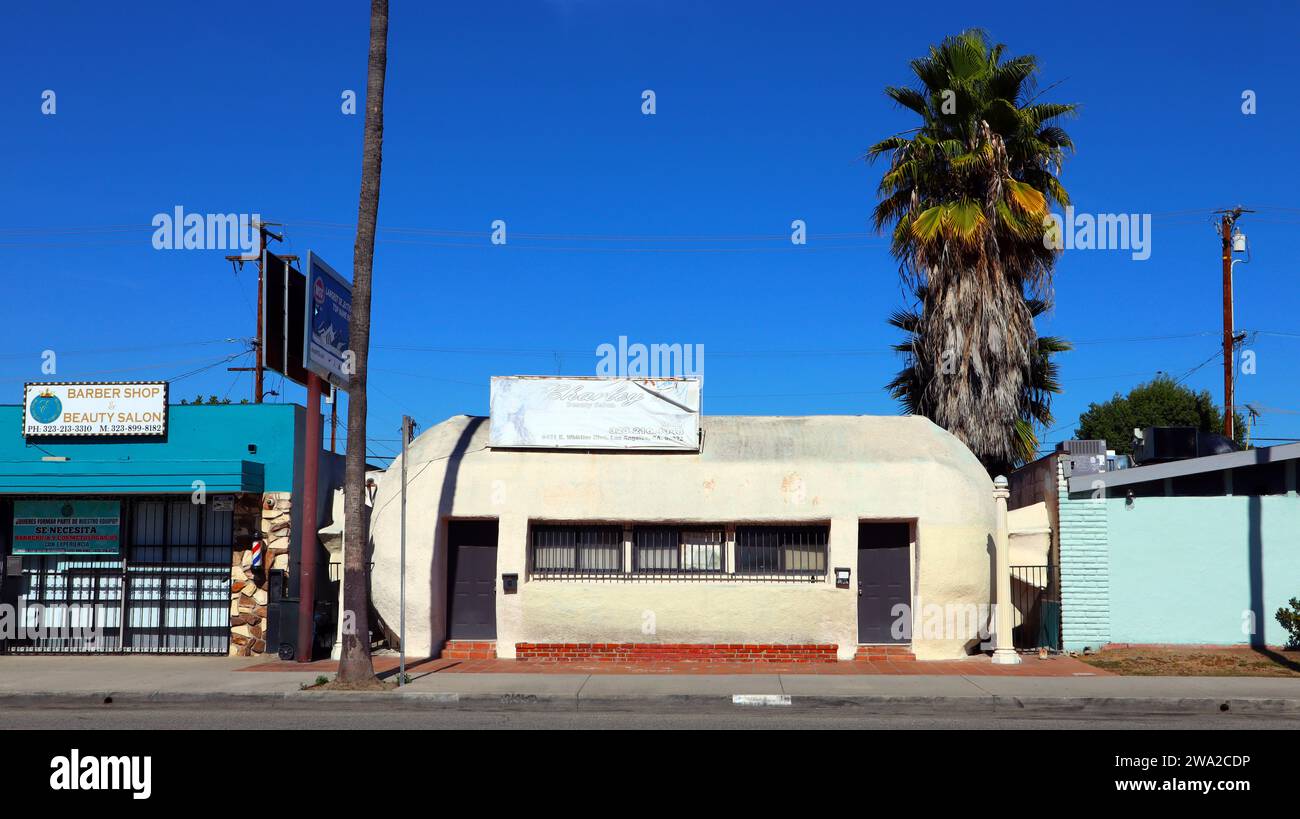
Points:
1083	457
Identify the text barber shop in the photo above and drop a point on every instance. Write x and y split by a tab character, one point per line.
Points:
130	525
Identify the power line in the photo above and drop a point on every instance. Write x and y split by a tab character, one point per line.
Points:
550	351
207	367
538	236
1180	379
143	367
574	249
1131	339
591	237
115	350
422	375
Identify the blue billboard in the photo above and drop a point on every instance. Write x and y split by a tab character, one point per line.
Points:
329	317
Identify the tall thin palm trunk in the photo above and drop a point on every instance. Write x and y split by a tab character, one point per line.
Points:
356	666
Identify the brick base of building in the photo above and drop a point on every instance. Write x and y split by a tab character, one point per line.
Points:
469	650
869	654
675	652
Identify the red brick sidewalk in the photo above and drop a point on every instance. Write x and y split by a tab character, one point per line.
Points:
1031	666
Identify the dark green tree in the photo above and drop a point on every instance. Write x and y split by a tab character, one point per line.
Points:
1161	402
211	399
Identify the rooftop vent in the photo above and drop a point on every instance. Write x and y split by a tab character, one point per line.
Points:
1083	457
1093	446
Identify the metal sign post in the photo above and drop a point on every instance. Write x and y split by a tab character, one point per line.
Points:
308	543
401	673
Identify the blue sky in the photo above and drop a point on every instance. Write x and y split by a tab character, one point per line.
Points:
531	113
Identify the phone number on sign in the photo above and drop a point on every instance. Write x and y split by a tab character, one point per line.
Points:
93	429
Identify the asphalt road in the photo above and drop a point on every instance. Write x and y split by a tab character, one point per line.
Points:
740	718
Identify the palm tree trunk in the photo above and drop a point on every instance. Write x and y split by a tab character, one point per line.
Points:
356	665
977	337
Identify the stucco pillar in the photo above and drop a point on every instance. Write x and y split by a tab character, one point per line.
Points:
512	557
843	551
1004	653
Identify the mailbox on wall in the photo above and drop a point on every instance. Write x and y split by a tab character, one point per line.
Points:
510	583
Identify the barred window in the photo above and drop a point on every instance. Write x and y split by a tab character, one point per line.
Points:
670	550
178	531
577	549
782	550
148	517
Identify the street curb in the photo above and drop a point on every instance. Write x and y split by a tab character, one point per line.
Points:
877	704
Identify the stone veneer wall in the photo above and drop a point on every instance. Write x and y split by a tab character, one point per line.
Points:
269	514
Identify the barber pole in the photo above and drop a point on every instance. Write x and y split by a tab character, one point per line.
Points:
258	549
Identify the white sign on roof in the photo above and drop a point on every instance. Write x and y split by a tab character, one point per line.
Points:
95	409
544	412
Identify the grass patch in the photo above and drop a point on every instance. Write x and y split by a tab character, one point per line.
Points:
1231	661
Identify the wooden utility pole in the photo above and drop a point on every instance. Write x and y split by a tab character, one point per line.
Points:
334	416
259	343
1228	220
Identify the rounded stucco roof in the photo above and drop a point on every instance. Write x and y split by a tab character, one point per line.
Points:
828	438
907	453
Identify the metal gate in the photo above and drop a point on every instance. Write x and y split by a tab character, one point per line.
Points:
166	590
1038	607
96	606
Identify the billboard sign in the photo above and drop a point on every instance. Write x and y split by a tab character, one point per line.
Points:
328	319
117	408
547	412
284	299
66	527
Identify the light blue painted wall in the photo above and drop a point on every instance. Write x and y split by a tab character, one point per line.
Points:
1181	568
201	441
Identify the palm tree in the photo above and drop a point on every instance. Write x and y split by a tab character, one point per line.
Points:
355	666
967	194
1035	399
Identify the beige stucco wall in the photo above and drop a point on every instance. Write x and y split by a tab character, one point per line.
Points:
1030	529
837	469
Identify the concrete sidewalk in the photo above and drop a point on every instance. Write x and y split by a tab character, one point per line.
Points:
161	681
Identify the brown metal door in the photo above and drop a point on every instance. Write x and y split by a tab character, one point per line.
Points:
471	573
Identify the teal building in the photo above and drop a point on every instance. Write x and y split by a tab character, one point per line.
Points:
182	542
1201	551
